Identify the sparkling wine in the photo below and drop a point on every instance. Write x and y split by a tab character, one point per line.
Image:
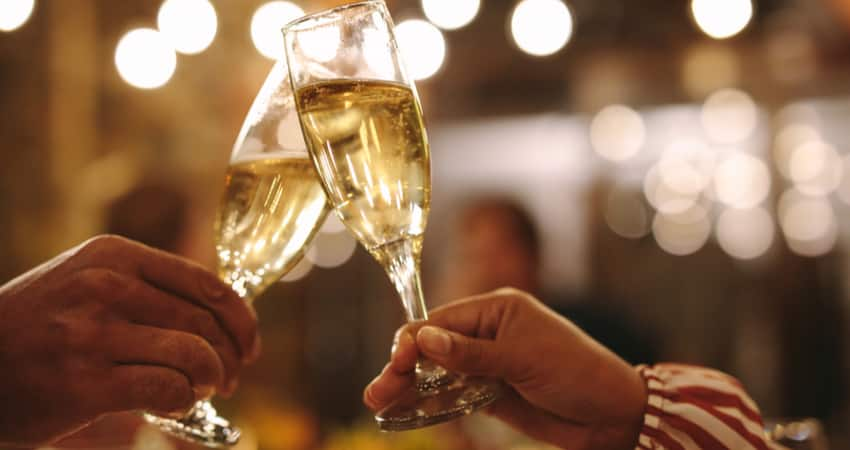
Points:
369	146
270	211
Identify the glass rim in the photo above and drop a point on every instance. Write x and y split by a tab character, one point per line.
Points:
294	24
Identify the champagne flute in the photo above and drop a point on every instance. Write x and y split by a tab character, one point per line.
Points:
272	207
362	122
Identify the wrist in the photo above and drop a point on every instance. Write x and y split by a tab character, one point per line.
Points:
634	401
623	412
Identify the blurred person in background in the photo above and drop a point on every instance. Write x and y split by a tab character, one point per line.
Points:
495	243
117	325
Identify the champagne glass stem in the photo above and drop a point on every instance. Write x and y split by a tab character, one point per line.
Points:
401	261
402	266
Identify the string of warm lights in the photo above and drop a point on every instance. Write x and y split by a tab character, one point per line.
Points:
538	27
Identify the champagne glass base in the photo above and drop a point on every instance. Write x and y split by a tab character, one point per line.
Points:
419	408
201	425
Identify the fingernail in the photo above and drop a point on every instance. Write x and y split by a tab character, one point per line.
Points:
435	340
404	339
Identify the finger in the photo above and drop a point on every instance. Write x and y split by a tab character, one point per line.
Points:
130	344
405	354
539	424
386	387
463	354
478	316
156	389
143	304
185	279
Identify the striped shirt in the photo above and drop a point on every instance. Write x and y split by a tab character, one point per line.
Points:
693	407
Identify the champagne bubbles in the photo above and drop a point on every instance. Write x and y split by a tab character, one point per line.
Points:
266	25
145	59
451	14
189	25
15	13
721	19
729	116
541	27
617	132
422	47
745	233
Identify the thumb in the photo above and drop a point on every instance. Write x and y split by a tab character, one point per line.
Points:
461	353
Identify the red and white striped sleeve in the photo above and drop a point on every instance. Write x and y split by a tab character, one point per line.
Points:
693	407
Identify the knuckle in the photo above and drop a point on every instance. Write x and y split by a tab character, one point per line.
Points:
509	291
98	281
104	243
513	296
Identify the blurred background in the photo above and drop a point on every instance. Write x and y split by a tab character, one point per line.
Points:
673	175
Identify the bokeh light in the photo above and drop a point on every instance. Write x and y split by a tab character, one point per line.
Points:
687	165
721	19
729	116
332	225
266	25
379	61
289	136
145	59
451	14
816	168
808	223
617	132
843	191
626	213
709	67
15	13
745	233
664	198
741	181
541	27
682	234
189	25
320	44
301	270
788	139
331	249
422	47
